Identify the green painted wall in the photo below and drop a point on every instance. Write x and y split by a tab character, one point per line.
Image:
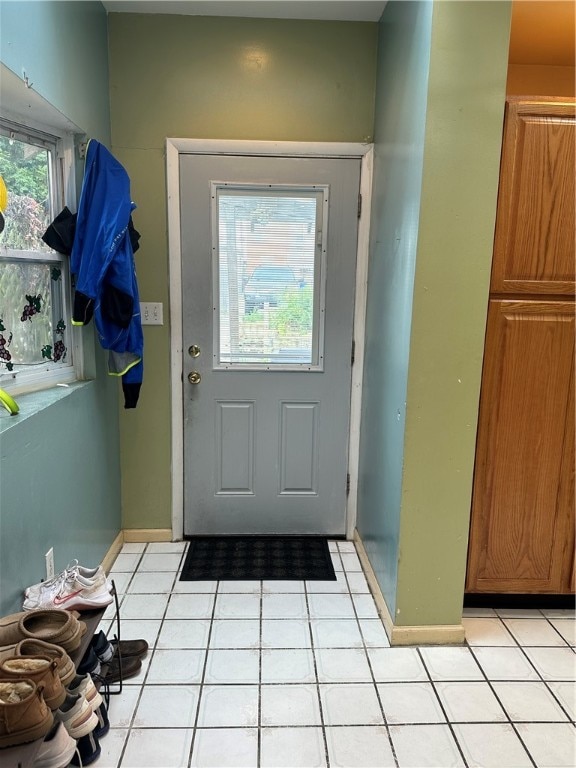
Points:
403	61
439	112
465	110
217	78
59	458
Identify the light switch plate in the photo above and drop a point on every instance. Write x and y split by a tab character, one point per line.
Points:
152	313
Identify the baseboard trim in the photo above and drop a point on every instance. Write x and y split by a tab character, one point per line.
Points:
113	552
146	535
435	634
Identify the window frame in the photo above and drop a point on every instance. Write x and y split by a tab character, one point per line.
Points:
62	192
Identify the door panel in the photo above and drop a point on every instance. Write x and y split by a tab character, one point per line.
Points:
268	271
534	240
523	502
234	447
299	448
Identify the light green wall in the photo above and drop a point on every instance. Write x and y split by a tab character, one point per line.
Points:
59	458
217	78
402	81
465	110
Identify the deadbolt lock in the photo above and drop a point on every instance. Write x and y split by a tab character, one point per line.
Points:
194	377
194	350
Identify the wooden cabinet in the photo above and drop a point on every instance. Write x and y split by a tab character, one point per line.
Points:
522	522
522	507
534	239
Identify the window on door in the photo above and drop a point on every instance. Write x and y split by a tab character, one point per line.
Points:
269	266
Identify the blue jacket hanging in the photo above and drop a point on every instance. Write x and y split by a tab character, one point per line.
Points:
102	261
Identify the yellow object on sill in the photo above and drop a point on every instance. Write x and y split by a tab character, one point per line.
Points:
3	196
9	403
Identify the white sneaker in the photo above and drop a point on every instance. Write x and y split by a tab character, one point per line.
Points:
73	592
77	716
90	574
57	748
84	685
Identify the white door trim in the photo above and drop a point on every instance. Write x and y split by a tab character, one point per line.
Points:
176	147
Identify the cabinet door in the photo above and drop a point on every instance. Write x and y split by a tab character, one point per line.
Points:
523	497
534	239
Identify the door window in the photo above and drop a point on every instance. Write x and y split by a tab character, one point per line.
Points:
269	263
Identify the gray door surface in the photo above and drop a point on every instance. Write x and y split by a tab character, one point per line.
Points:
268	273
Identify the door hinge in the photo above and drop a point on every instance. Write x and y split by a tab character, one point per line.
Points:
359	204
348	484
353	353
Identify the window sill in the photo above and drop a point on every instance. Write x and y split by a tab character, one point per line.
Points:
32	403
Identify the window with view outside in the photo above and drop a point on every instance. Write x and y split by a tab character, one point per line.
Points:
33	313
269	252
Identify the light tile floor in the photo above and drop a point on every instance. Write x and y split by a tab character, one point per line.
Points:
301	674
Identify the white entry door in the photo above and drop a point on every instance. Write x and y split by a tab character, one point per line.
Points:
268	269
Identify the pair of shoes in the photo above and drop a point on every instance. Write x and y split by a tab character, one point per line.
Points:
57	749
24	715
106	649
121	670
58	627
75	588
41	670
129	648
66	669
79	710
90	574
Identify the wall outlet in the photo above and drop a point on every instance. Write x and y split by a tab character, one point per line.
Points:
151	313
49	557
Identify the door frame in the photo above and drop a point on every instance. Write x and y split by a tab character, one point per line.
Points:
176	147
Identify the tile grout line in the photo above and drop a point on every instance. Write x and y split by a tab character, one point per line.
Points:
510	721
317	683
259	719
131	720
543	618
202	678
443	708
374	683
544	681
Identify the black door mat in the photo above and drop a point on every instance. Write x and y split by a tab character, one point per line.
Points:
252	558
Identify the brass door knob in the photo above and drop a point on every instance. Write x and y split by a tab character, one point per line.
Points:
194	377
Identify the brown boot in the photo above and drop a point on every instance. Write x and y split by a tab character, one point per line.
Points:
7	650
66	668
24	715
51	625
40	669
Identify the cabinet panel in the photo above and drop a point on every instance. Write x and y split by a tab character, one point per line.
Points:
534	239
523	497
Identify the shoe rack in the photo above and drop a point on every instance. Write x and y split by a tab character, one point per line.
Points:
24	755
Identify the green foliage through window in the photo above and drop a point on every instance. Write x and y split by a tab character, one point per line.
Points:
25	169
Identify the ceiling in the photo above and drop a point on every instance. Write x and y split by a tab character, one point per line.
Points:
335	10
